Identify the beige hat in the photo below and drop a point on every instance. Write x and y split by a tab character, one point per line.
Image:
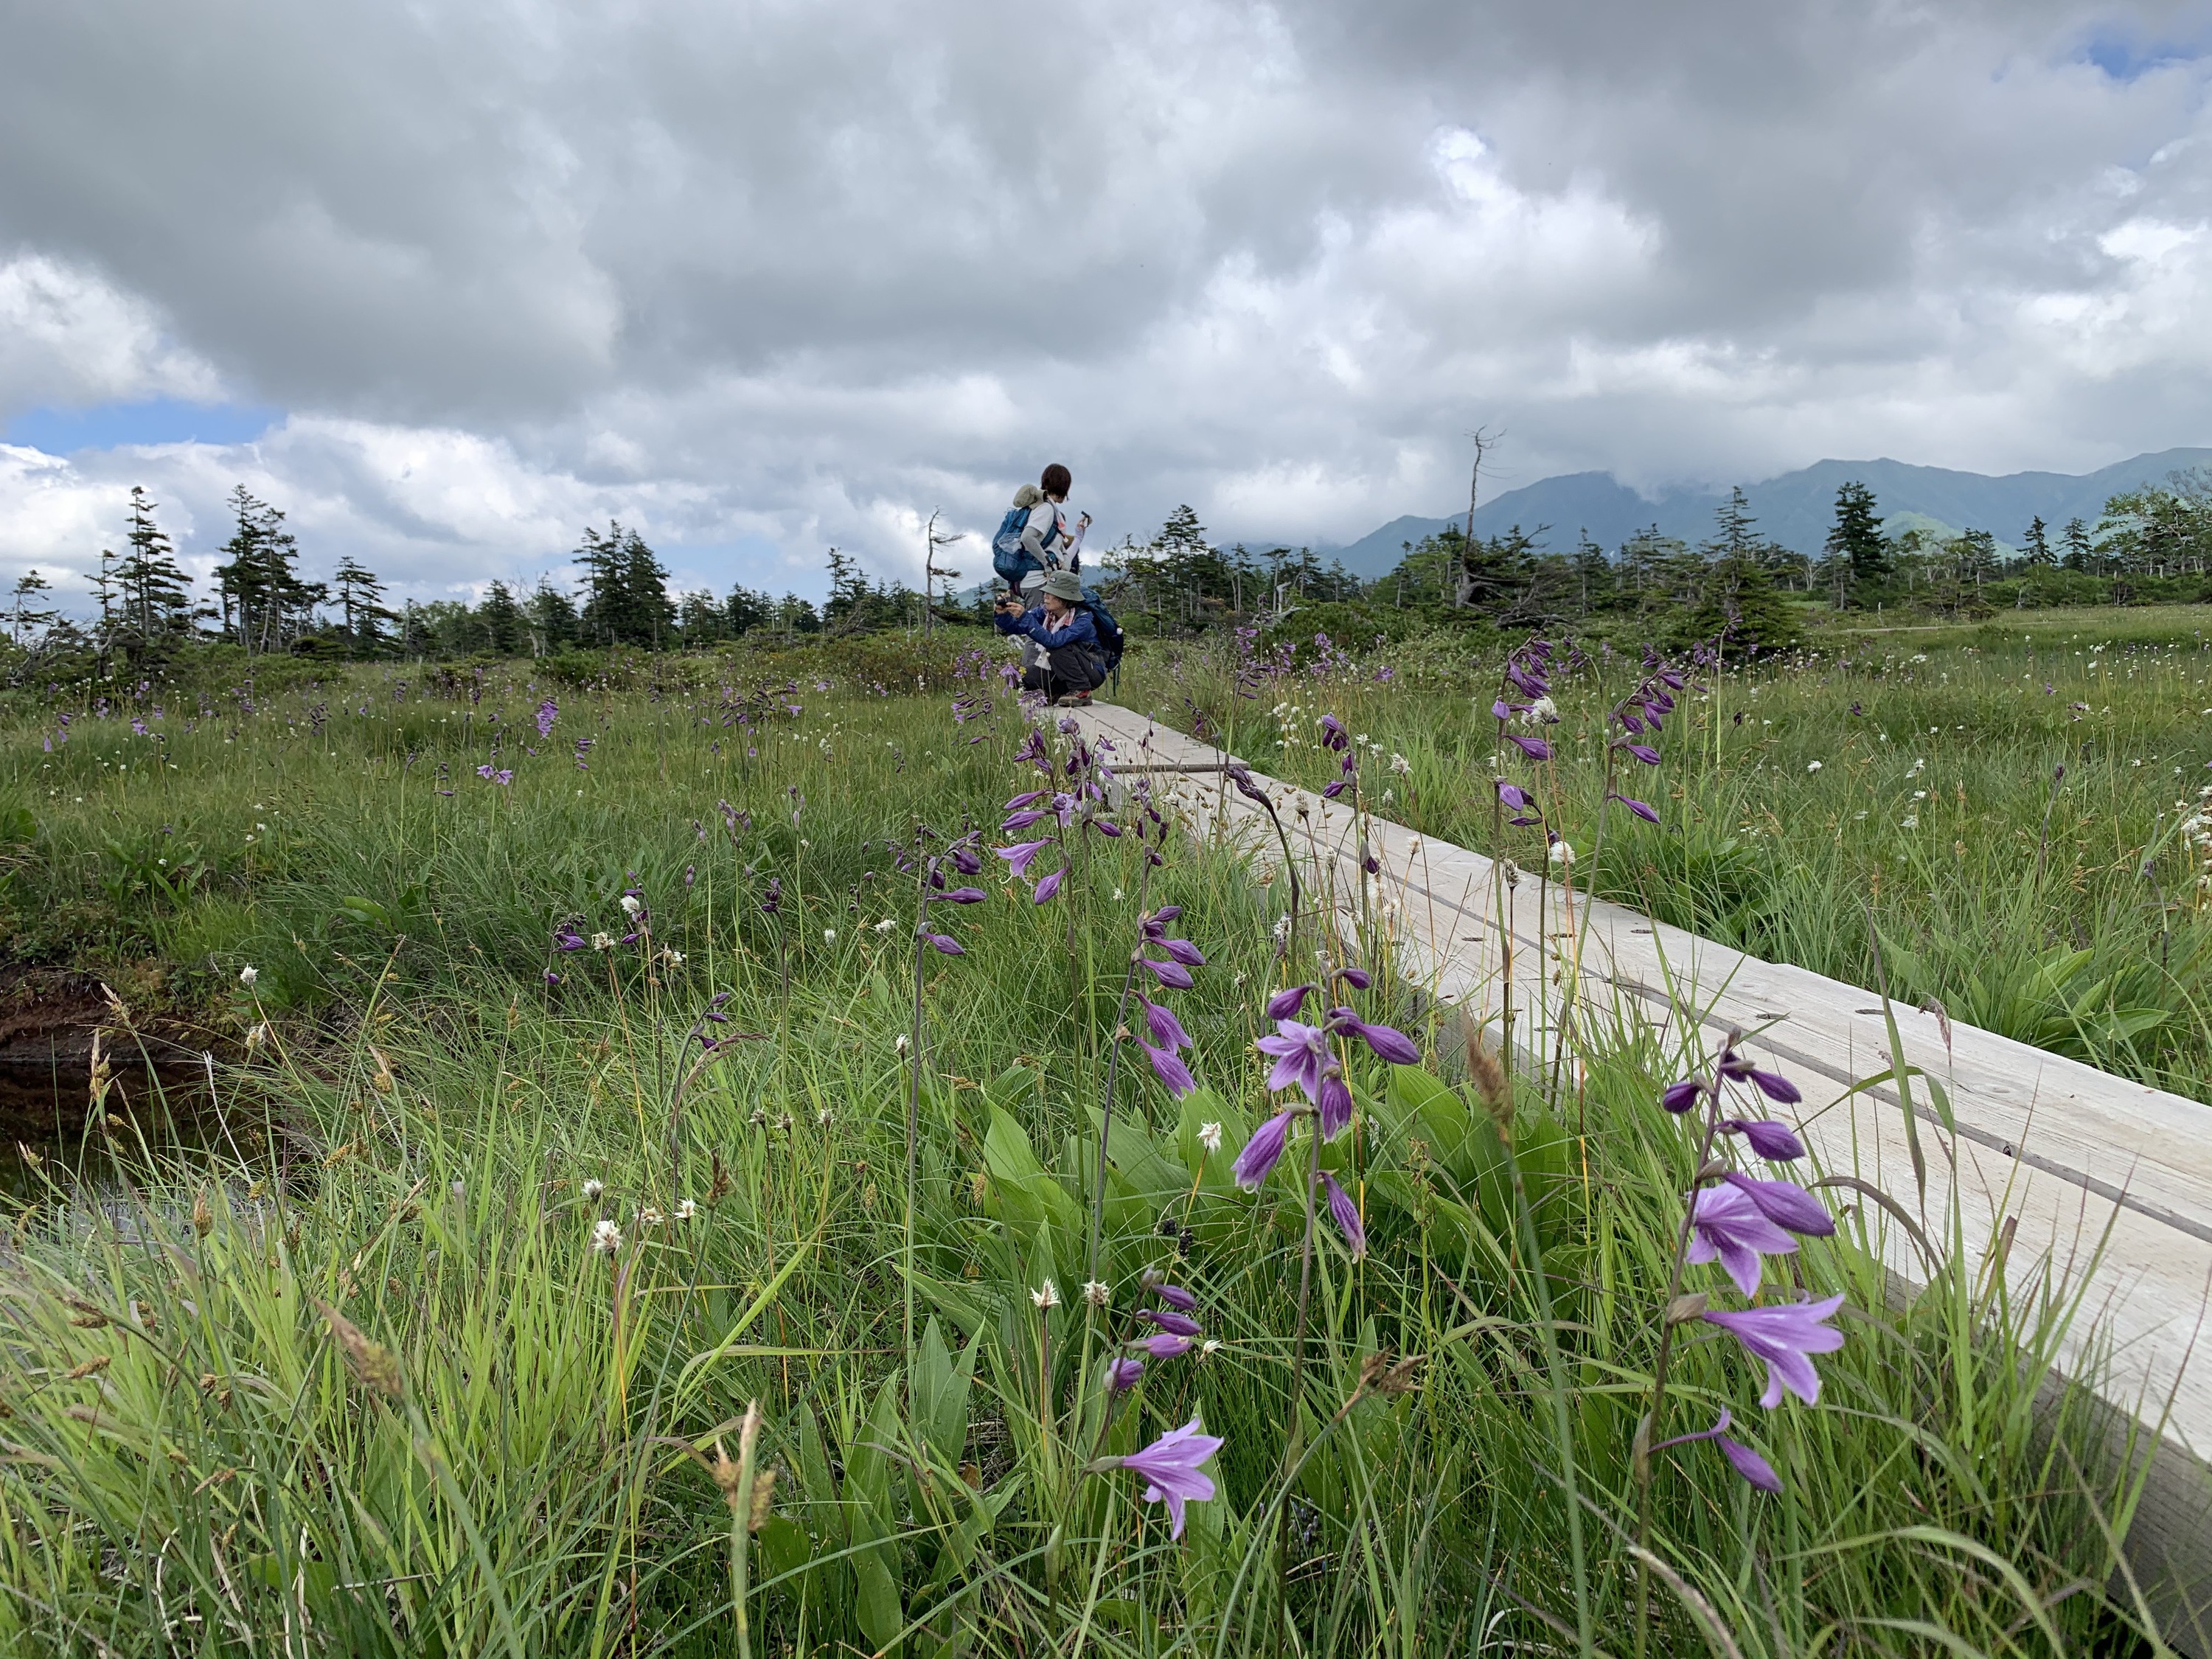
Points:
1063	585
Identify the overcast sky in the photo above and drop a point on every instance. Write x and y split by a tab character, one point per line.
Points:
446	281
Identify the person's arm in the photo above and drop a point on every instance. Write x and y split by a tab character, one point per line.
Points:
1016	621
1077	629
1043	521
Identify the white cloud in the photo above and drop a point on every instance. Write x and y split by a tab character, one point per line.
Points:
760	280
69	336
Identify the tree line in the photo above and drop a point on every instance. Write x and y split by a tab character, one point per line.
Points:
257	600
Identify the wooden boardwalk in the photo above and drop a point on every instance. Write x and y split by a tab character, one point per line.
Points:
2109	1181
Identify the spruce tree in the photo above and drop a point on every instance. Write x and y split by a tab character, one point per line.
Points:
1736	601
359	590
551	615
155	591
264	601
746	610
1854	539
2079	555
499	621
2035	551
28	614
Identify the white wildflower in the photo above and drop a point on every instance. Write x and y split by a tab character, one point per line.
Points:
1812	766
1209	1348
1543	712
602	941
594	1190
1911	821
631	905
649	1217
1562	853
687	1210
1045	1298
673	959
829	935
902	1044
1401	766
247	975
888	925
1209	1136
1096	1293
606	1238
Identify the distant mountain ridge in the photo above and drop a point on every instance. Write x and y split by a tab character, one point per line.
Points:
1794	509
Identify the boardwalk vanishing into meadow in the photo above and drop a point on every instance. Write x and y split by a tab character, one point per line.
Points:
2105	1181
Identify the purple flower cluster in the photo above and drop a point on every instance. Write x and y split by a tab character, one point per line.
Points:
1526	693
964	860
548	712
1642	713
1739	1220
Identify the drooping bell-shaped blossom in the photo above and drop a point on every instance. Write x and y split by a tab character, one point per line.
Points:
1169	1067
1513	795
1785	1204
1727	1225
1023	799
1175	1296
945	944
1679	1098
1346	1215
1171	1321
1358	978
1534	748
772	896
1387	1041
1023	819
1745	1461
1645	752
1333	1102
1164	1345
1775	1086
1183	952
1642	809
1167	1031
964	858
1283	1003
1172	974
565	938
1048	886
1784	1336
1018	855
1332	734
1123	1372
1300	1051
1775	1142
1171	1470
1261	1153
960	895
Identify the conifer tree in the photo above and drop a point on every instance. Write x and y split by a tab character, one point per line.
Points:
2079	555
2035	549
156	608
360	590
1737	602
1856	542
499	621
28	615
552	618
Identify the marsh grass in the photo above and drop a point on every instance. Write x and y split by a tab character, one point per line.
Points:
1891	776
516	1449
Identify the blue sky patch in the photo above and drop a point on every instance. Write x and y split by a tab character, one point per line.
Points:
159	421
2125	57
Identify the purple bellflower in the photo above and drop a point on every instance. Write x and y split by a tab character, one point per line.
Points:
1123	1373
1726	1224
1745	1461
1785	1204
1049	885
1165	1345
1784	1336
945	944
1176	1297
1775	1086
1679	1098
1300	1052
1173	1322
1018	855
1168	1066
1261	1154
1347	1216
1171	1472
1775	1142
1167	1029
1283	1003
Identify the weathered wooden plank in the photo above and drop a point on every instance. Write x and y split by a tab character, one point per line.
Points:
2107	1183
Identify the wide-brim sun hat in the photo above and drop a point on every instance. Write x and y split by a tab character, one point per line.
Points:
1063	585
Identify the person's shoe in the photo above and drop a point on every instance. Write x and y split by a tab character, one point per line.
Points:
1074	700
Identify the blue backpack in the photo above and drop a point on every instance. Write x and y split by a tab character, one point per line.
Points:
1112	641
1009	560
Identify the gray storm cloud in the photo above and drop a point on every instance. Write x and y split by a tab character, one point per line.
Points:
769	276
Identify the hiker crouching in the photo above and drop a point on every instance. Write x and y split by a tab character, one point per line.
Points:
1063	628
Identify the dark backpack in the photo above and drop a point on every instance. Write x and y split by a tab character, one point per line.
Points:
1009	560
1112	641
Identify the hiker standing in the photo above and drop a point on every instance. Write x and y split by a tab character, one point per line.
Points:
1033	540
1062	626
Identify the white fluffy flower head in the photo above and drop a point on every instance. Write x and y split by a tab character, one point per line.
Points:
1045	1296
247	975
606	1238
1209	1136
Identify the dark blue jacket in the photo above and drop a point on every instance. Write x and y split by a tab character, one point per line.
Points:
1079	628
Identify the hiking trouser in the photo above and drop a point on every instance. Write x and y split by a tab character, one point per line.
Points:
1065	671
